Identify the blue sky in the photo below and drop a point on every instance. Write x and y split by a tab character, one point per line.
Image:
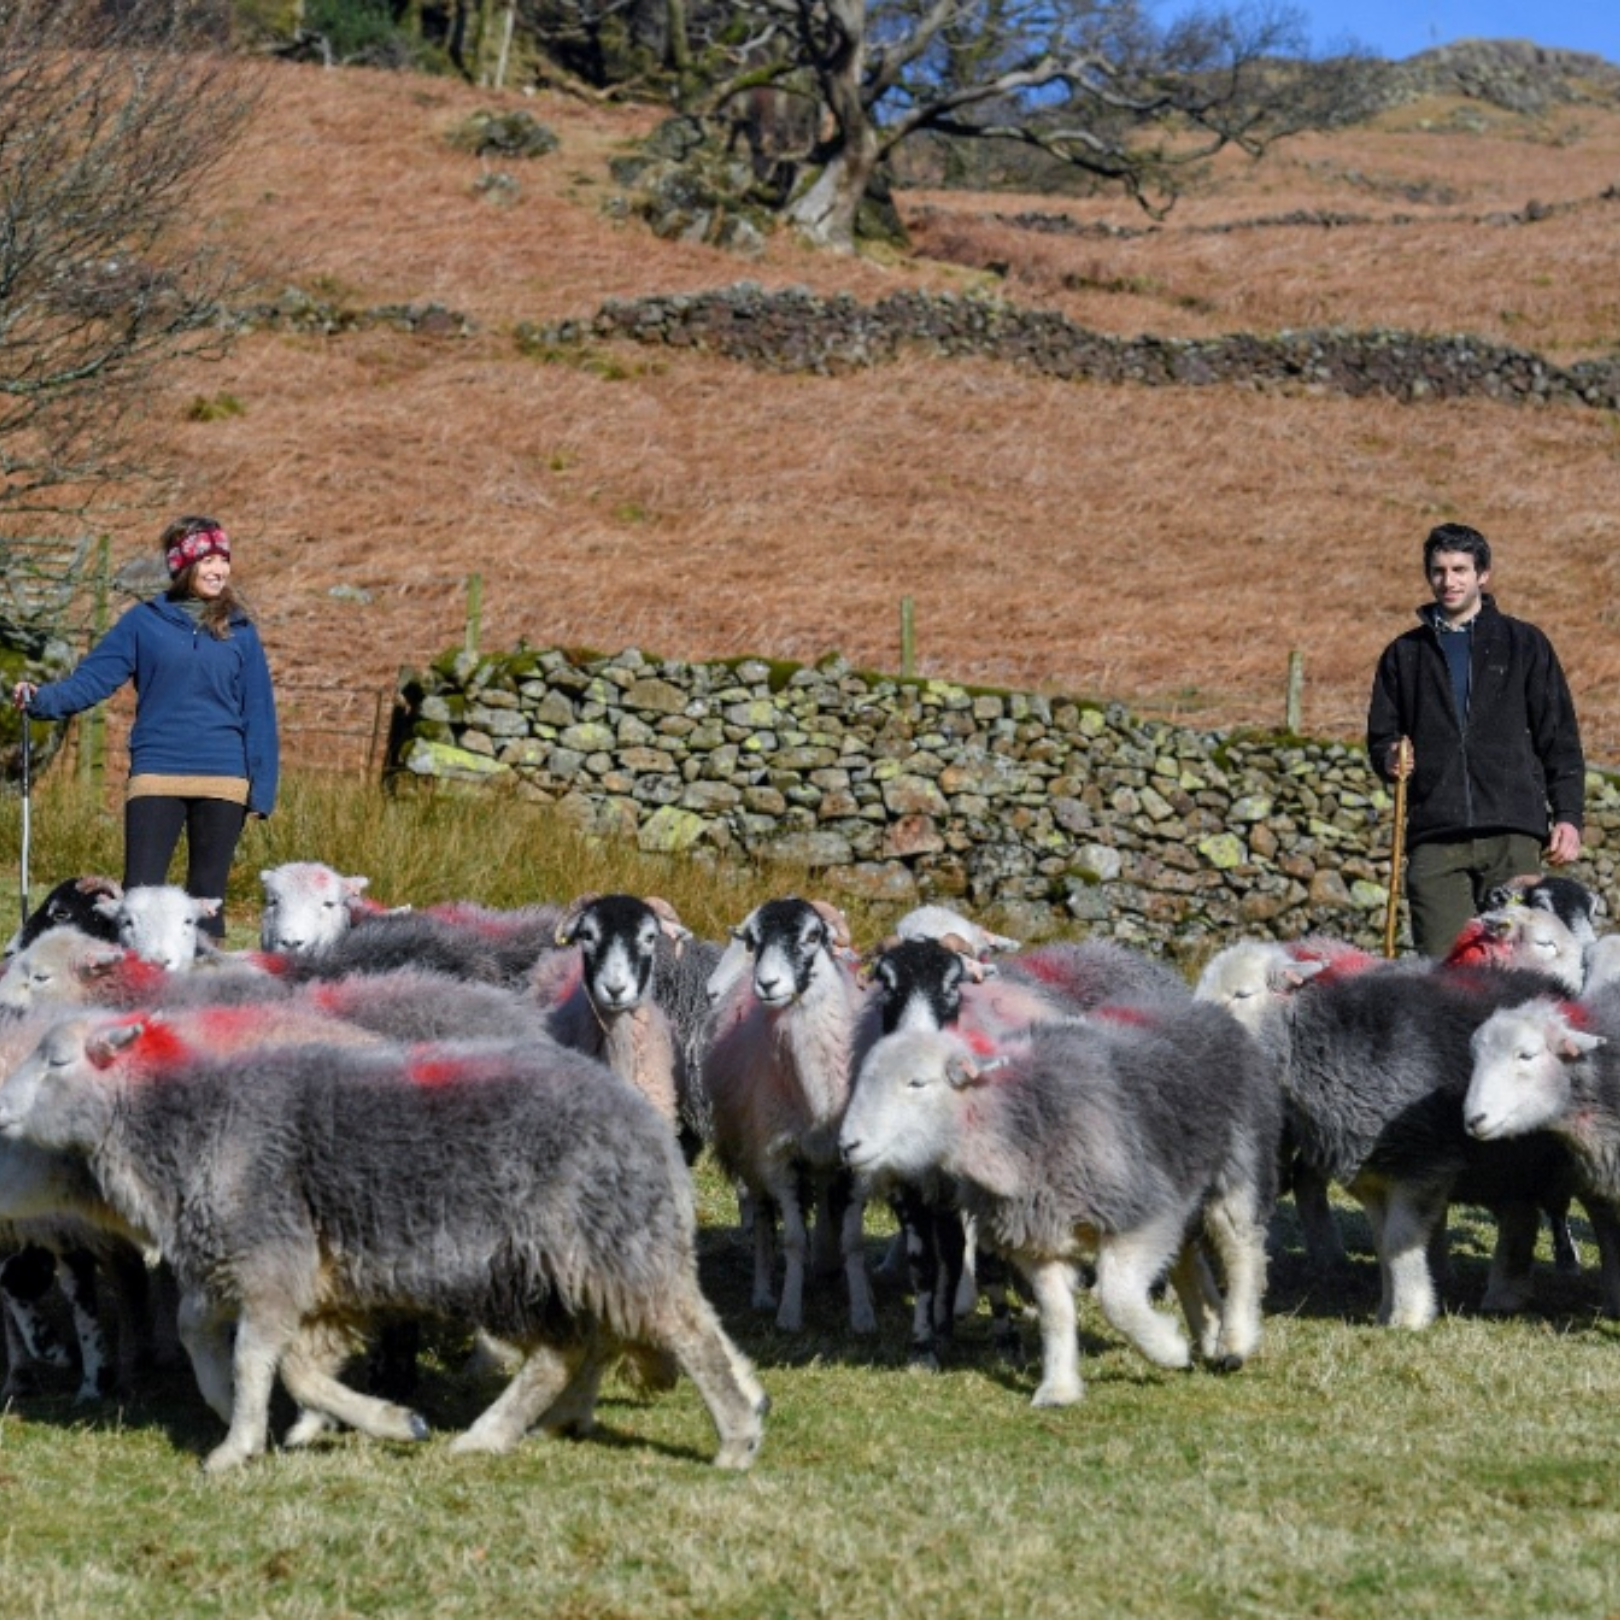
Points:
1397	28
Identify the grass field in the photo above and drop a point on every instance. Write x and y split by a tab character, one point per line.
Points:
1347	1472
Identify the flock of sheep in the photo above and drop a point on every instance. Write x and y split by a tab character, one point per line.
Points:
385	1116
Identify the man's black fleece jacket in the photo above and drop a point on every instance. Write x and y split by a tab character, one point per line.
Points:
1518	749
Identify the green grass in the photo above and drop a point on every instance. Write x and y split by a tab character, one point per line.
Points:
1347	1472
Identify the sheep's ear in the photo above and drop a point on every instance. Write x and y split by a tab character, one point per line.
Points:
747	931
668	919
1573	1044
98	964
837	923
1293	976
107	906
354	887
961	1071
1002	942
569	926
103	1050
209	908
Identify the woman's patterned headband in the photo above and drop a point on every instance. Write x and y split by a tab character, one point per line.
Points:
190	548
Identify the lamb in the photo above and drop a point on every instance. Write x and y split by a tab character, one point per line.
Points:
71	904
1374	1064
598	998
307	1189
777	1073
1136	1135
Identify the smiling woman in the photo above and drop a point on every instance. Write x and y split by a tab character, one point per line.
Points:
203	751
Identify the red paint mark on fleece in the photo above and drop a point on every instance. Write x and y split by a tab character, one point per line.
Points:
277	963
979	1042
1049	969
1476	946
431	1066
229	1028
1338	961
1136	1017
135	978
158	1049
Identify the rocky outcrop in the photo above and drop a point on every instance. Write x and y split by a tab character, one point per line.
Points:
1052	813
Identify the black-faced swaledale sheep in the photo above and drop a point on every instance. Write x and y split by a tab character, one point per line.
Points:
597	992
301	1189
71	904
1132	1134
777	1072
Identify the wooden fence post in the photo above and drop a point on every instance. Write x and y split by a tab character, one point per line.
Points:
908	637
1293	712
475	611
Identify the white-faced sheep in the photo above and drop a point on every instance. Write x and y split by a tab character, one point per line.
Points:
778	1075
1373	1064
1129	1135
1555	1066
161	923
303	1188
309	906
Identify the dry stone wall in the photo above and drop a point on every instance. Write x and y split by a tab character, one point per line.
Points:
1049	814
795	330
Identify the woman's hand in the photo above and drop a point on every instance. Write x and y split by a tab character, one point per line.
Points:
22	694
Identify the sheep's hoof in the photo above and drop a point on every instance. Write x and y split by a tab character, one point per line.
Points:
309	1427
739	1454
419	1427
1227	1362
472	1442
223	1458
1057	1395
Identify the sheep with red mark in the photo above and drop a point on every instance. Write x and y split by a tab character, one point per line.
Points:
1373	1065
597	992
777	1073
1134	1137
305	1189
309	905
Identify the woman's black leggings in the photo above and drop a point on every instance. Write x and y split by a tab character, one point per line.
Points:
152	828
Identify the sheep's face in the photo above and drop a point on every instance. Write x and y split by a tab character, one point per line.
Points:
919	985
617	936
161	923
904	1116
1247	980
1524	1062
792	945
57	967
306	906
56	1096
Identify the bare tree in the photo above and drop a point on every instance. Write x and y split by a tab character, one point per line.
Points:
1099	84
113	113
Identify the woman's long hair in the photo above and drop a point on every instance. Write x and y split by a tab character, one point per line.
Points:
218	612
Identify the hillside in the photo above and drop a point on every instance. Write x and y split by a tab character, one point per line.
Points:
1163	546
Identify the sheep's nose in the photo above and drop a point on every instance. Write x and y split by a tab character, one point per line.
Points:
847	1150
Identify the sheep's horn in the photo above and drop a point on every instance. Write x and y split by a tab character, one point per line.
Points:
834	919
570	918
668	918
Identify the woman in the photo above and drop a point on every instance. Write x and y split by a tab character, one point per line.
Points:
203	753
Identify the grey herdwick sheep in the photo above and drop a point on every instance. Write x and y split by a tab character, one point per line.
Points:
1374	1064
302	1189
1132	1135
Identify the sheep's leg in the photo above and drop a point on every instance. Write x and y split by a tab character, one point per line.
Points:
736	1403
205	1331
950	1244
764	1219
76	1277
1052	1283
1409	1220
826	1229
1128	1265
574	1410
261	1337
852	1244
1605	1219
24	1281
1237	1230
1004	1335
965	1299
1566	1252
922	1266
309	1371
1194	1283
1511	1284
795	1253
534	1387
1324	1242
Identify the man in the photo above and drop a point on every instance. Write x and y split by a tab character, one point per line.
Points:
1473	708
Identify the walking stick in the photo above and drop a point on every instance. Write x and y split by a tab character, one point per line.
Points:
1397	855
27	749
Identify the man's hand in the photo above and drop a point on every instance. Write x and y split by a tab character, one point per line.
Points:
1565	844
1400	760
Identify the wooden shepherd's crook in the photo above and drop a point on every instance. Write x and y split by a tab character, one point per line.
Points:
1397	854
